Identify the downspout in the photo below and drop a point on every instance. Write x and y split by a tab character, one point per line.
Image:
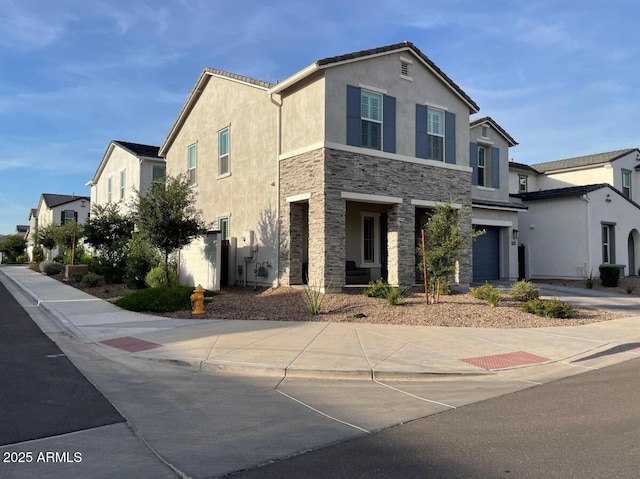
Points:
589	266
278	103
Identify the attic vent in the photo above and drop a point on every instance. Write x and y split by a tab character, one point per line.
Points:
485	132
404	69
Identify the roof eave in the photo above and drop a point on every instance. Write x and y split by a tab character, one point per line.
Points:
295	78
186	109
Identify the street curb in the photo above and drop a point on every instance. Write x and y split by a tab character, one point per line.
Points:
58	318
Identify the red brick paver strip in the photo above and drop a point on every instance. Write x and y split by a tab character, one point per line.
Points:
133	345
507	360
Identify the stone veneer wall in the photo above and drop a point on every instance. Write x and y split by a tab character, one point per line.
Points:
325	173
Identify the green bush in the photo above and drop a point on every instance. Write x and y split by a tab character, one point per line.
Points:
550	308
494	297
51	268
377	289
141	257
156	277
483	292
86	259
394	295
524	291
37	255
21	259
91	280
609	276
158	300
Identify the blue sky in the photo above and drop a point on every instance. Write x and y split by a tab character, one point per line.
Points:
562	77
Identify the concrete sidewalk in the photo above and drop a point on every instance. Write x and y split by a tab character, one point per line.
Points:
333	350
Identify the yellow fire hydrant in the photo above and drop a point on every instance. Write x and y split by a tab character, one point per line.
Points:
197	300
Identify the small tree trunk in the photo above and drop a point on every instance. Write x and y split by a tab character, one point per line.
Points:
424	268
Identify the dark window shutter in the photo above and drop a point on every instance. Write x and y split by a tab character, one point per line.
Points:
495	168
473	162
449	137
354	123
62	217
421	131
389	124
75	216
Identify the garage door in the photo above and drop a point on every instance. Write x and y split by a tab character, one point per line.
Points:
486	254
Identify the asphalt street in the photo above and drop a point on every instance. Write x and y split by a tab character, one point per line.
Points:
586	426
42	392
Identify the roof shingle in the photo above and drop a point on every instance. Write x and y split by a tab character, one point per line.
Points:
588	160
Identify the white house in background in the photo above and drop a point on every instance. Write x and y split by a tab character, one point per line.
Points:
125	167
495	253
32	233
58	210
582	213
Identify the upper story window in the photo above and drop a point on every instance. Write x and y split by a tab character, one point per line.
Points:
435	134
123	178
191	166
626	183
109	189
523	186
371	119
67	216
481	165
371	116
223	152
157	174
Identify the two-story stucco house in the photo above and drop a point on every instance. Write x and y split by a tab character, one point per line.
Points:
125	168
582	212
332	169
58	210
495	253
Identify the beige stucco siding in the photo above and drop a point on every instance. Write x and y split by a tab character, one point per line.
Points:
303	113
250	189
384	73
586	176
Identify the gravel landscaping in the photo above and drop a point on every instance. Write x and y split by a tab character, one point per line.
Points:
287	304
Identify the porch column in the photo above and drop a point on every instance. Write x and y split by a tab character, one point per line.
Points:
401	244
327	239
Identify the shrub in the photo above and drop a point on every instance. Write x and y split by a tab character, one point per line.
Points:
550	308
483	292
394	295
21	259
91	280
51	268
377	289
164	299
37	255
313	299
494	297
86	259
156	277
609	275
141	257
524	291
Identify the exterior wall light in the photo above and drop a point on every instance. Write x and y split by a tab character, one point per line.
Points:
515	234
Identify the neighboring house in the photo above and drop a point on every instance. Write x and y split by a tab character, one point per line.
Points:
495	253
341	162
59	209
582	212
22	230
32	233
125	168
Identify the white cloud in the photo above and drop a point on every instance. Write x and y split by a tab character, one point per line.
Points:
25	29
